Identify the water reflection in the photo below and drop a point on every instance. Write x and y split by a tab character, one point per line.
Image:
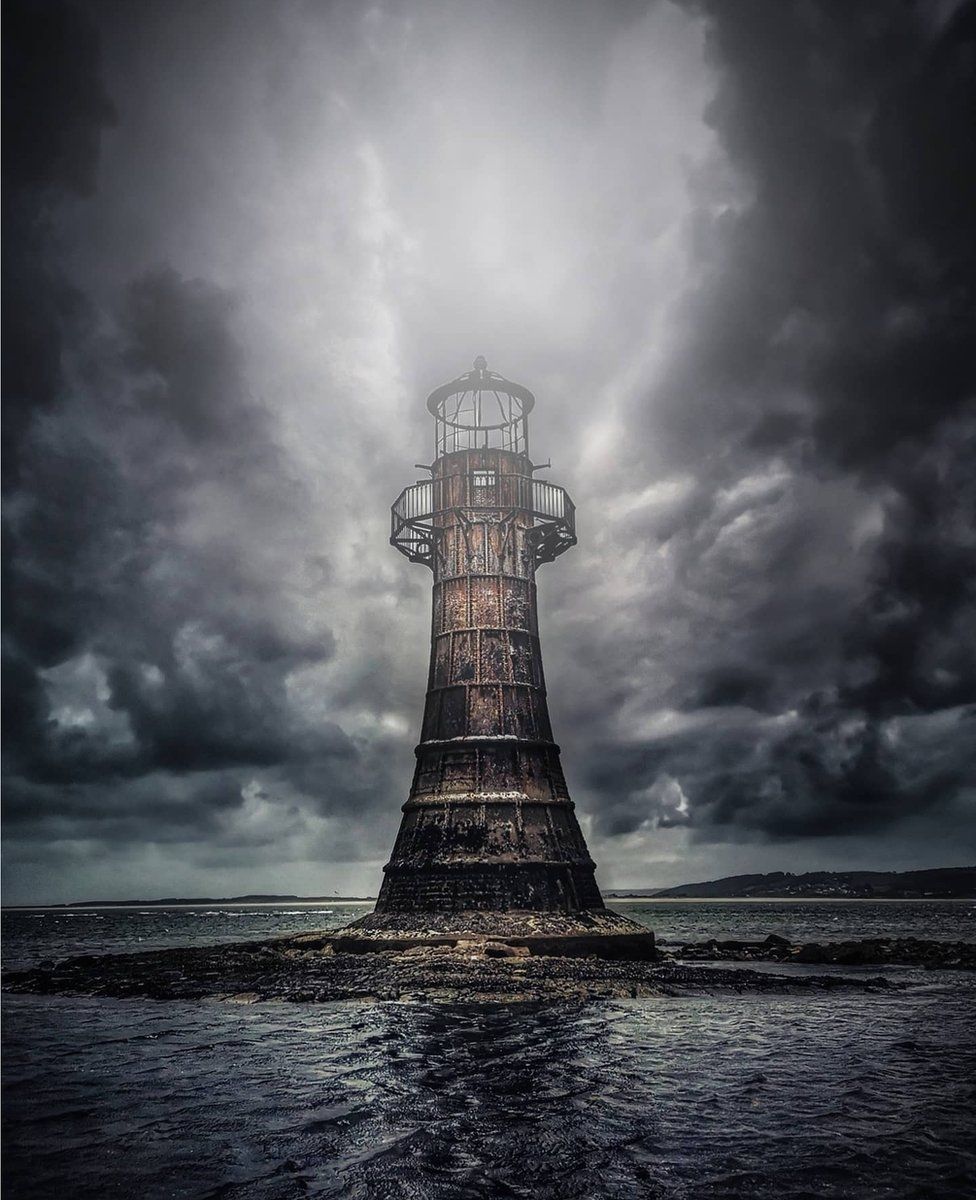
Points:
842	1096
491	1101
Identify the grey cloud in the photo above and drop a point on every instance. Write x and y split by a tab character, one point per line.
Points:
50	150
190	638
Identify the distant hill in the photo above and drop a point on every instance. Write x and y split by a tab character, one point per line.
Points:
256	898
944	882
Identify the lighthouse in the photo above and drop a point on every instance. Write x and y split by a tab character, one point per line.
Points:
489	846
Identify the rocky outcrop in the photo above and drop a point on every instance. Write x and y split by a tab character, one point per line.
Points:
306	969
907	952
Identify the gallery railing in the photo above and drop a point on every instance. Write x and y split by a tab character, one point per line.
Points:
413	528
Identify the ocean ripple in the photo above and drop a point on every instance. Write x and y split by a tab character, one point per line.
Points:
831	1096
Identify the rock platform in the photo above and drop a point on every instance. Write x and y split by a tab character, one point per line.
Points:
307	968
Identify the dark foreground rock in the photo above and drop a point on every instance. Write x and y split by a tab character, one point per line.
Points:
305	969
905	952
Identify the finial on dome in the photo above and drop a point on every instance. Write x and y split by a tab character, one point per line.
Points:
481	363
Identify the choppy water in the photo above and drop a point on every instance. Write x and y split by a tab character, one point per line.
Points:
30	935
857	1096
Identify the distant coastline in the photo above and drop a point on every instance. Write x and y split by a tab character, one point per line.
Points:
940	883
255	901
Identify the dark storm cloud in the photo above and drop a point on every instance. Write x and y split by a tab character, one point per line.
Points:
51	143
831	335
97	555
187	651
54	108
838	301
145	655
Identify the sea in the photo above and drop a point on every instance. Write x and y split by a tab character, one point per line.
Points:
843	1094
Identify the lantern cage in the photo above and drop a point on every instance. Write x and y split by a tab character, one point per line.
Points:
481	410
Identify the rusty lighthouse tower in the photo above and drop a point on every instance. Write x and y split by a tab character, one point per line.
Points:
489	845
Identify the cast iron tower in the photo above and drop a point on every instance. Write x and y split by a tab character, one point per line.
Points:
489	843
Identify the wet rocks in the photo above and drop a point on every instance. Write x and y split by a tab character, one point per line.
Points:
906	952
895	951
306	970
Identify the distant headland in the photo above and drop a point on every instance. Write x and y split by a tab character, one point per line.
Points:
941	883
204	901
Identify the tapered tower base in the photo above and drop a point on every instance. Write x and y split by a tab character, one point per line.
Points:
598	933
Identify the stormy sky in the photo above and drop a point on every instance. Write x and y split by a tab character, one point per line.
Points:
728	245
